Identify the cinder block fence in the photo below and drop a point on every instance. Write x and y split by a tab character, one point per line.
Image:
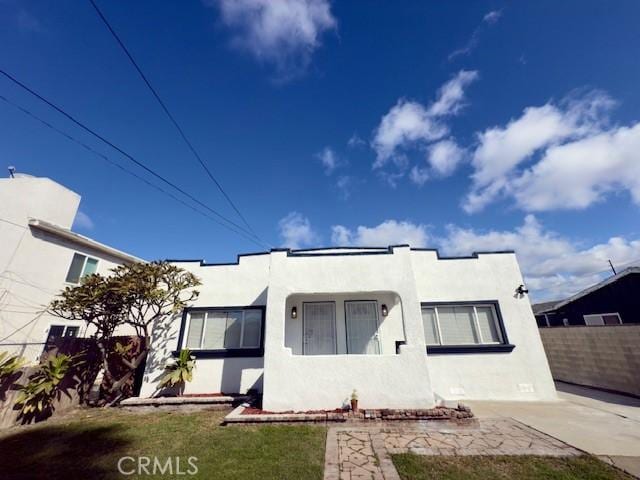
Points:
605	356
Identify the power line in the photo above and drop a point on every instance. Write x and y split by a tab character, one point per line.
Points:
168	113
23	326
121	151
117	165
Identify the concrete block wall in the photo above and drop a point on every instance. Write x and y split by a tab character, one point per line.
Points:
605	357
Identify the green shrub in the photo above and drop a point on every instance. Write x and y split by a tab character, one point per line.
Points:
10	365
43	386
181	371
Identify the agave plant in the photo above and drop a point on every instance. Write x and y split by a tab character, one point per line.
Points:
38	394
181	371
9	365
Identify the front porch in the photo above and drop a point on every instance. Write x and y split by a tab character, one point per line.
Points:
344	324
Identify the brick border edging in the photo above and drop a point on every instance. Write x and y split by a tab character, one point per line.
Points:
365	415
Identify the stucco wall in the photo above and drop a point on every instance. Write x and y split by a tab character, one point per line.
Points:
522	374
325	381
222	286
402	279
35	274
598	356
34	263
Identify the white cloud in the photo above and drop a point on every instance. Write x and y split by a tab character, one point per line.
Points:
355	141
451	94
444	157
405	123
409	123
344	185
389	232
419	175
554	267
329	160
489	19
532	158
284	33
296	231
594	166
341	235
492	17
82	221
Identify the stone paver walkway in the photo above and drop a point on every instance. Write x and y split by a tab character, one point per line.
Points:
359	452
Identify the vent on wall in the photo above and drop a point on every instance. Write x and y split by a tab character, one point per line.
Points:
457	391
526	388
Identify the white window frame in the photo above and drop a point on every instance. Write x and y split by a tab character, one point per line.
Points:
206	321
84	265
476	324
601	316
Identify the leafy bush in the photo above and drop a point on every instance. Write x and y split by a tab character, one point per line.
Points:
181	371
10	365
44	385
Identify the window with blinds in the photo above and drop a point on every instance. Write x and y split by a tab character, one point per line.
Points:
219	329
450	324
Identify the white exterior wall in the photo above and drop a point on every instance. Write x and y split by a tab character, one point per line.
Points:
401	279
34	263
222	286
522	374
300	382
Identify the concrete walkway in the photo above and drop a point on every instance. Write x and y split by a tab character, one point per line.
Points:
600	423
363	451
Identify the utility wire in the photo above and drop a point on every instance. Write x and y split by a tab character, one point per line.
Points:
121	151
117	165
168	113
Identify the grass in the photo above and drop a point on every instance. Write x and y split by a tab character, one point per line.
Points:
526	467
90	443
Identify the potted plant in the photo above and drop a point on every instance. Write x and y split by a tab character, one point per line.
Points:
179	372
354	401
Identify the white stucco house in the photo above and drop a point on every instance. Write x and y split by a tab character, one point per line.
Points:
404	327
39	256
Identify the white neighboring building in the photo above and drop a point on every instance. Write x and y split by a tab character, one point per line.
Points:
39	256
404	327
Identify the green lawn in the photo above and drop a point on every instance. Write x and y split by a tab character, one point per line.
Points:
88	444
419	467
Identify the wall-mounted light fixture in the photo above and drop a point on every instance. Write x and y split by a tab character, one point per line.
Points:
521	290
294	312
385	311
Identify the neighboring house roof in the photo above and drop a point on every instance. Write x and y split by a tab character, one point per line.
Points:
81	240
544	306
598	286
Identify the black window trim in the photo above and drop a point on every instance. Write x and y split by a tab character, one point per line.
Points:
223	352
504	347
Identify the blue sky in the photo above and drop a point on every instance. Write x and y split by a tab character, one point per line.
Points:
461	126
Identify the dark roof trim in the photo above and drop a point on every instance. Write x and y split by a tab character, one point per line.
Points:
463	257
366	251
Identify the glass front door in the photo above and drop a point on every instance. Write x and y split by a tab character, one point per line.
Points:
319	328
362	327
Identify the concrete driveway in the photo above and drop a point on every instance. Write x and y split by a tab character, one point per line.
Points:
600	423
